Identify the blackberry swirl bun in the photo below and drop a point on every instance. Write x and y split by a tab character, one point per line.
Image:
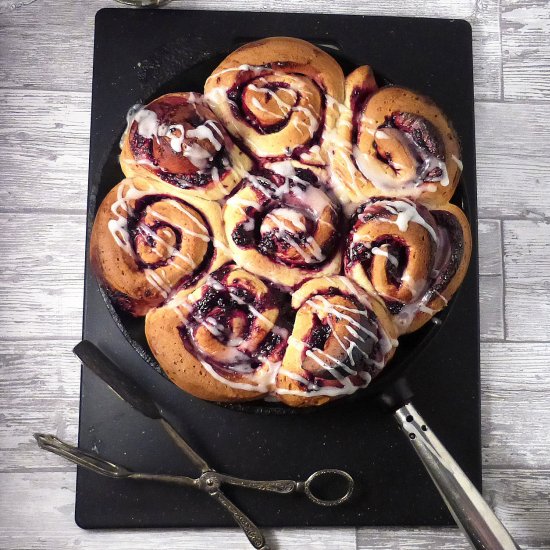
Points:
145	244
279	96
341	340
177	140
411	257
220	342
392	142
282	226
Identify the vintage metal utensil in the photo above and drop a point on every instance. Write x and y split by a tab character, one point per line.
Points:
209	480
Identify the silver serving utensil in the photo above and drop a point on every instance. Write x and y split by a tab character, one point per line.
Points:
209	480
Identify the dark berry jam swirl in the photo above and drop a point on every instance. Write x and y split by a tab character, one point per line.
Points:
289	220
404	252
234	322
160	225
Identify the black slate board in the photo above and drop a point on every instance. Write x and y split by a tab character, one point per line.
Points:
140	54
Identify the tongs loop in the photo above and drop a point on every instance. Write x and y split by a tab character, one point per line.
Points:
323	501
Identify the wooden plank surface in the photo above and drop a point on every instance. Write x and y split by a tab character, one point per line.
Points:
527	267
513	173
45	79
526	49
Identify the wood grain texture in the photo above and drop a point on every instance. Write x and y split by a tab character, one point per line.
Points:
513	173
527	289
526	49
49	523
41	145
490	247
45	80
491	307
41	286
510	493
486	48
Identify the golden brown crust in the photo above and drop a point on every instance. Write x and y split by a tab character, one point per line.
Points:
395	247
313	372
217	352
280	96
382	134
166	241
204	161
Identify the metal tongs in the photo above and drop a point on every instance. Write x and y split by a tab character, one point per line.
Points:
209	480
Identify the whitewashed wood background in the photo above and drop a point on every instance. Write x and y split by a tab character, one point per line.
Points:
45	82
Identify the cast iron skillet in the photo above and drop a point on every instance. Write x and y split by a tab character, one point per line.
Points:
410	346
465	503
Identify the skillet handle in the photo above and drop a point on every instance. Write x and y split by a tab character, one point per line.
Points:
470	511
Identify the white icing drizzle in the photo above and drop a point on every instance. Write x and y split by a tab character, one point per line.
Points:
311	125
118	228
458	162
313	391
157	280
325	366
256	69
292	216
312	254
198	156
204	132
337	361
283	105
149	128
297	377
259	107
384	252
202	236
148	123
406	212
171	250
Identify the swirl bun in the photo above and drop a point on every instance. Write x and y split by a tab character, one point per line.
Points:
177	140
413	258
392	142
279	97
146	245
281	226
220	342
341	340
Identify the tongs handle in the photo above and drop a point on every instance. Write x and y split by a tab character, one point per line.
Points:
283	486
286	486
251	530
